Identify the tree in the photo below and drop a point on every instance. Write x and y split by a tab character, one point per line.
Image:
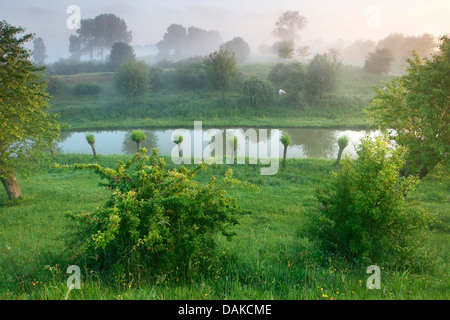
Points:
138	136
132	79
378	62
202	42
416	106
322	73
342	143
286	141
285	49
402	46
26	128
90	138
120	53
304	51
356	53
288	24
239	47
100	34
75	47
178	141
258	91
39	50
221	68
173	40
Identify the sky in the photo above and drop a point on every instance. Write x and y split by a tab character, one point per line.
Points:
253	20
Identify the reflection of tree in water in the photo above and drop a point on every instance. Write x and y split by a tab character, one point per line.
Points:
315	143
129	147
64	135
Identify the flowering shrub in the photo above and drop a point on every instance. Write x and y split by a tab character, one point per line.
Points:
155	217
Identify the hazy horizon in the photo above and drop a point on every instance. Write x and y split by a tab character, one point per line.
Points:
328	20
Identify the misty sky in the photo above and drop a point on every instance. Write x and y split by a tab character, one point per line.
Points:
251	19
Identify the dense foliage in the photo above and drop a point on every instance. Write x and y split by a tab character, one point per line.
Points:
26	128
416	106
156	217
363	214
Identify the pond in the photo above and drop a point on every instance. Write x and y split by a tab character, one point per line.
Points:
306	143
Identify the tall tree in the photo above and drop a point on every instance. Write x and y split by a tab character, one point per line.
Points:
379	62
99	34
173	40
416	105
321	74
39	51
288	25
26	129
132	79
239	47
202	42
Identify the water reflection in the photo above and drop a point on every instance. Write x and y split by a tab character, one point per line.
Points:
306	143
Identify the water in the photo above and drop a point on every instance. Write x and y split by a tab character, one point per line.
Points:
306	143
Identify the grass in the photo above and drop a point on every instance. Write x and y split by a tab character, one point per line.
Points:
172	106
266	259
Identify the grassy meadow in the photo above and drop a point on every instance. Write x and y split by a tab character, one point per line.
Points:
265	260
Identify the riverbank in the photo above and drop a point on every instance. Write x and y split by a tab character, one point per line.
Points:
265	260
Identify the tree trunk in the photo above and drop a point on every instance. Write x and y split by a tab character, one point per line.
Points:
93	151
180	150
339	155
138	144
52	150
12	187
284	155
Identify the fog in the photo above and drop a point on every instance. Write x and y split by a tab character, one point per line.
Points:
331	23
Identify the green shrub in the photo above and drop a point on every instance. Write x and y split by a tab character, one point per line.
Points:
85	89
157	219
363	213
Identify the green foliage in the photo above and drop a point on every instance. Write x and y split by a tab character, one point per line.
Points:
379	62
178	139
158	218
132	79
121	52
26	128
138	136
193	76
363	213
90	138
285	49
221	68
258	91
343	142
416	106
286	139
86	89
321	75
239	47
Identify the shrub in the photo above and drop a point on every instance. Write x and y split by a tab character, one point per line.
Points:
85	89
193	76
363	214
157	219
258	91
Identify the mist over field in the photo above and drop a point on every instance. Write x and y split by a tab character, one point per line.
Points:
335	24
